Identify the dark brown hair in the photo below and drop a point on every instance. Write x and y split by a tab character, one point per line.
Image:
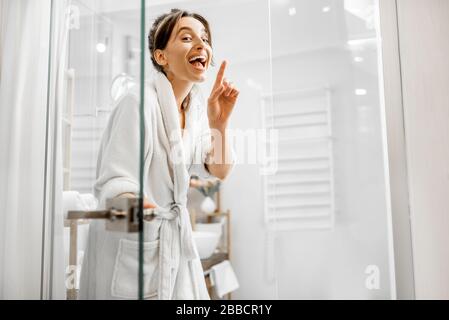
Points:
162	28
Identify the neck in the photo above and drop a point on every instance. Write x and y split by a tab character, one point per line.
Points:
181	89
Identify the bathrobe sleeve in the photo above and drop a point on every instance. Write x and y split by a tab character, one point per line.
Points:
118	165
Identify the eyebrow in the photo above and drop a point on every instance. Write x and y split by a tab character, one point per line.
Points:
188	28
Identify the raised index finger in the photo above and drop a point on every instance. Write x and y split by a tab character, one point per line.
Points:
220	74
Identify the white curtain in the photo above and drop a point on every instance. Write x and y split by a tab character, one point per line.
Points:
24	145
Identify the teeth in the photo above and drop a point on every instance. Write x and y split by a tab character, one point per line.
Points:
203	58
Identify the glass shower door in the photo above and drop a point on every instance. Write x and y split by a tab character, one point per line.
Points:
105	61
100	108
240	35
333	234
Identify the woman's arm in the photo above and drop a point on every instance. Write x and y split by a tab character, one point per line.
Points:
220	105
219	161
118	165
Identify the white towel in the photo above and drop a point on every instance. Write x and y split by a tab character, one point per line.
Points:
223	278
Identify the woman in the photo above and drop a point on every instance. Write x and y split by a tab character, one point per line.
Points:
179	125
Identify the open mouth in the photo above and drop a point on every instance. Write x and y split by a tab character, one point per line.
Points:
199	62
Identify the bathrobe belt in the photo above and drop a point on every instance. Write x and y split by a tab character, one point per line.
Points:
169	246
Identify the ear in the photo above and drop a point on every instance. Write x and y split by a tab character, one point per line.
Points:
160	58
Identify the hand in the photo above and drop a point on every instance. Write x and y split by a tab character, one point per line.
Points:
146	203
222	100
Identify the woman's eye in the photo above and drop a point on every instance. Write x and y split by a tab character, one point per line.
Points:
206	40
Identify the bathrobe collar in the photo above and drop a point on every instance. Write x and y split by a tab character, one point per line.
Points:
178	154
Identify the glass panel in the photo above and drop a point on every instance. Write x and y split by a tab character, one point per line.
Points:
218	217
308	136
101	148
331	200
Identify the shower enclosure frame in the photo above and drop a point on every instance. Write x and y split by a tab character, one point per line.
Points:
396	144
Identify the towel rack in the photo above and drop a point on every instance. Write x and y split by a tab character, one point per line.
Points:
305	170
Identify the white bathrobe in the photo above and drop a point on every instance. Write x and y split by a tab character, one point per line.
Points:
172	268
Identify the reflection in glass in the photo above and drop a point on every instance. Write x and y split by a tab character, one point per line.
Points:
121	85
102	66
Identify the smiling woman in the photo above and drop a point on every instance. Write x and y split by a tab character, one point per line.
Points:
178	45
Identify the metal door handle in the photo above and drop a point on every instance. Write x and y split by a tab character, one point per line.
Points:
121	215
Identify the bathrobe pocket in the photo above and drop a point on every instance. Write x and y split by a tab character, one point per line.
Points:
125	276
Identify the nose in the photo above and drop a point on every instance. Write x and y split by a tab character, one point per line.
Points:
201	43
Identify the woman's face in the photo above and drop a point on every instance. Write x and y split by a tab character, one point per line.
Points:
189	39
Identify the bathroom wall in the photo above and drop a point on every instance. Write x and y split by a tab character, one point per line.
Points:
425	76
2	31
